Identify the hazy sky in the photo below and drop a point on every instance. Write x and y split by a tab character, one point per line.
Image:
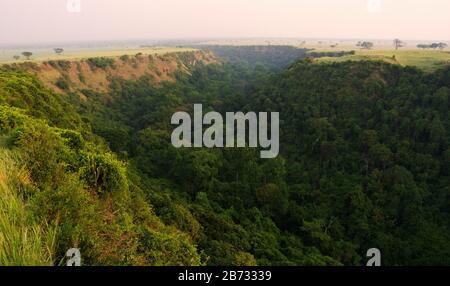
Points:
41	21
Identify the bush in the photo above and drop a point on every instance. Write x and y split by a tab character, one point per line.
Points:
124	58
104	173
43	153
162	249
63	84
64	65
100	63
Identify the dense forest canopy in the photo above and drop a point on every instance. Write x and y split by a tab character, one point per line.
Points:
364	163
270	56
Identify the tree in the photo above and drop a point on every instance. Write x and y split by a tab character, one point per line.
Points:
433	46
58	51
442	46
365	45
16	57
398	44
272	200
27	55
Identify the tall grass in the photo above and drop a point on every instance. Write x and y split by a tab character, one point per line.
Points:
23	241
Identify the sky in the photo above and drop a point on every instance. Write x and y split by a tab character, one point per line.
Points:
45	21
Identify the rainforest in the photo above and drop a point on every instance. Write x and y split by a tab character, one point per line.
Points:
86	161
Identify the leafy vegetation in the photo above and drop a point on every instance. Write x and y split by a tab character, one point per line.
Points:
272	57
64	65
426	60
364	163
101	62
68	192
23	241
331	54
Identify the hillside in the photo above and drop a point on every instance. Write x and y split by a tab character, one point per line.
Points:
61	186
271	57
427	60
96	74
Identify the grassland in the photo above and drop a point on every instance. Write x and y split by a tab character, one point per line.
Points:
41	55
383	50
427	60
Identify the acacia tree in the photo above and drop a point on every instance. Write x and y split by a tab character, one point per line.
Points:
27	55
398	44
16	57
442	46
58	51
365	45
433	46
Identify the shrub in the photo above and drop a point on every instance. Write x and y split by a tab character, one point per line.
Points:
43	153
104	173
64	65
63	84
100	63
163	249
125	58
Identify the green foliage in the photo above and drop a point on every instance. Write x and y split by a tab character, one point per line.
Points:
101	63
362	159
63	65
162	249
23	240
331	54
272	56
103	172
125	58
63	84
364	163
22	90
85	190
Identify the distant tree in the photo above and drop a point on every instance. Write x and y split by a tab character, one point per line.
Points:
442	46
58	51
433	46
365	45
27	55
398	44
423	46
16	57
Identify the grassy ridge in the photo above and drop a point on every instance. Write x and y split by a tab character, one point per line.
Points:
426	60
74	54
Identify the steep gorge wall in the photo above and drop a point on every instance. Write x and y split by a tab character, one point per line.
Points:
97	73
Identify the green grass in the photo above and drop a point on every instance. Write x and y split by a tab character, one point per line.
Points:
23	242
426	60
